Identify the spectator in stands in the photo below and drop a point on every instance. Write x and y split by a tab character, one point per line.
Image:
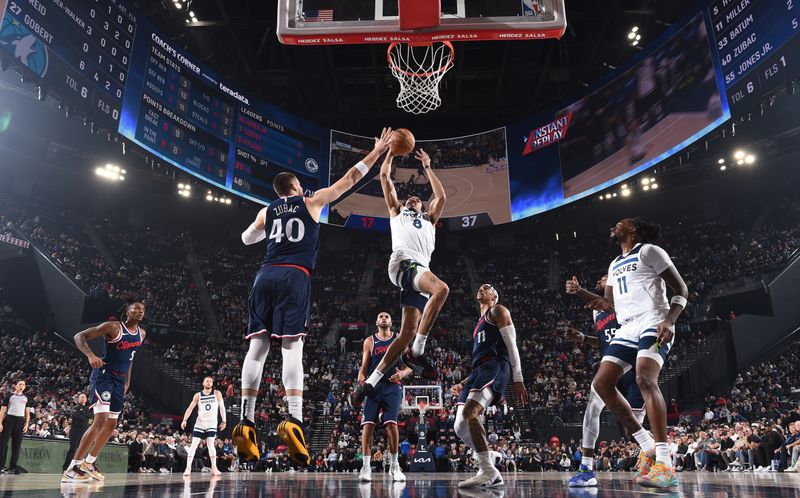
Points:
79	422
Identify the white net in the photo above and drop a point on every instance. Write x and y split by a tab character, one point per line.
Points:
420	69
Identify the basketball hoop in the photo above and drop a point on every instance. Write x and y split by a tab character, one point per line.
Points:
420	68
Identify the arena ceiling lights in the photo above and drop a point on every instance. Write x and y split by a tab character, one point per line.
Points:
111	172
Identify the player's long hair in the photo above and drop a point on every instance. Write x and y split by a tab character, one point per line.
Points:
648	231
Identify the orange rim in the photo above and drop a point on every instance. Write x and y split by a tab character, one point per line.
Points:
422	75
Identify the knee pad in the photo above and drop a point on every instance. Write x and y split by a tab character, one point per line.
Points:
292	349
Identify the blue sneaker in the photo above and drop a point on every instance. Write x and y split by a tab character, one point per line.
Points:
585	478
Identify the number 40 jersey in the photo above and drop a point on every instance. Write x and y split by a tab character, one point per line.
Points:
292	234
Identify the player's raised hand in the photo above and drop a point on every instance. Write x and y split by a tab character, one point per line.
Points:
382	142
423	156
666	331
574	334
456	389
521	394
573	286
95	361
600	304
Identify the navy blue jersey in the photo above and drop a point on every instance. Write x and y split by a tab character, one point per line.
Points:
118	353
605	325
379	348
292	234
487	342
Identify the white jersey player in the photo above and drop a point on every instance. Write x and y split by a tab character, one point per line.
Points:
637	290
422	294
210	407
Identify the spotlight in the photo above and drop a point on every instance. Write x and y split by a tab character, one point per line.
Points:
654	186
631	35
191	13
209	197
180	186
740	162
645	181
601	197
614	194
626	192
739	154
723	167
749	159
608	196
721	161
41	93
635	29
227	201
624	186
646	187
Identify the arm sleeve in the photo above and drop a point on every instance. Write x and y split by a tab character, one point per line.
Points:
222	413
510	338
656	258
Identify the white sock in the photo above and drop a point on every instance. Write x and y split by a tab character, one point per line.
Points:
367	463
73	463
484	460
418	348
295	406
645	440
248	408
374	378
588	462
662	454
90	459
393	459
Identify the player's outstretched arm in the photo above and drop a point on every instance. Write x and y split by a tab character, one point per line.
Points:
400	375
502	317
439	196
574	287
107	330
327	195
389	192
189	410
256	232
579	337
366	352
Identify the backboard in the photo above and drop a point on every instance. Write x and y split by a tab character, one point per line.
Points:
336	22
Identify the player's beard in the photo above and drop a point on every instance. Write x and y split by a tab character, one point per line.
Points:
613	239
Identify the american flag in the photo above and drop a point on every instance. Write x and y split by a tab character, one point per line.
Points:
318	15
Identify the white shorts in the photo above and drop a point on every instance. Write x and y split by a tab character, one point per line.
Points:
396	271
636	338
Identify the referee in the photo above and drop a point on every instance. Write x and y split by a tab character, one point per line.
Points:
14	419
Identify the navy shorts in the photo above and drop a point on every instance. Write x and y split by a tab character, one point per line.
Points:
630	390
279	302
493	374
107	388
404	279
203	433
387	398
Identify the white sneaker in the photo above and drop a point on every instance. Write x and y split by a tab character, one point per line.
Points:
365	475
397	474
792	469
497	458
483	479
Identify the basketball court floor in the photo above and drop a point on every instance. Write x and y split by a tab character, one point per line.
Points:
441	485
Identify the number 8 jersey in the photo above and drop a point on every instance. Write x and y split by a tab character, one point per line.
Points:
292	234
637	283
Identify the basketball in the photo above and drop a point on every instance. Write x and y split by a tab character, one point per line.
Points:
403	142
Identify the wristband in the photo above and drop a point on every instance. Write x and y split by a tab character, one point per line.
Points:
362	168
679	300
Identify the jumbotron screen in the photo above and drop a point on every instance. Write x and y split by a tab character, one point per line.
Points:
109	62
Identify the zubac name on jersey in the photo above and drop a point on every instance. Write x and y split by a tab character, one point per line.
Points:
379	348
293	235
487	342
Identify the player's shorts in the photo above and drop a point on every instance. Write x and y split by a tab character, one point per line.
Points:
630	390
489	377
279	302
387	398
201	432
636	338
405	274
107	391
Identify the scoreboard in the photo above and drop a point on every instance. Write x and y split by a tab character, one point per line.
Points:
110	63
757	45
